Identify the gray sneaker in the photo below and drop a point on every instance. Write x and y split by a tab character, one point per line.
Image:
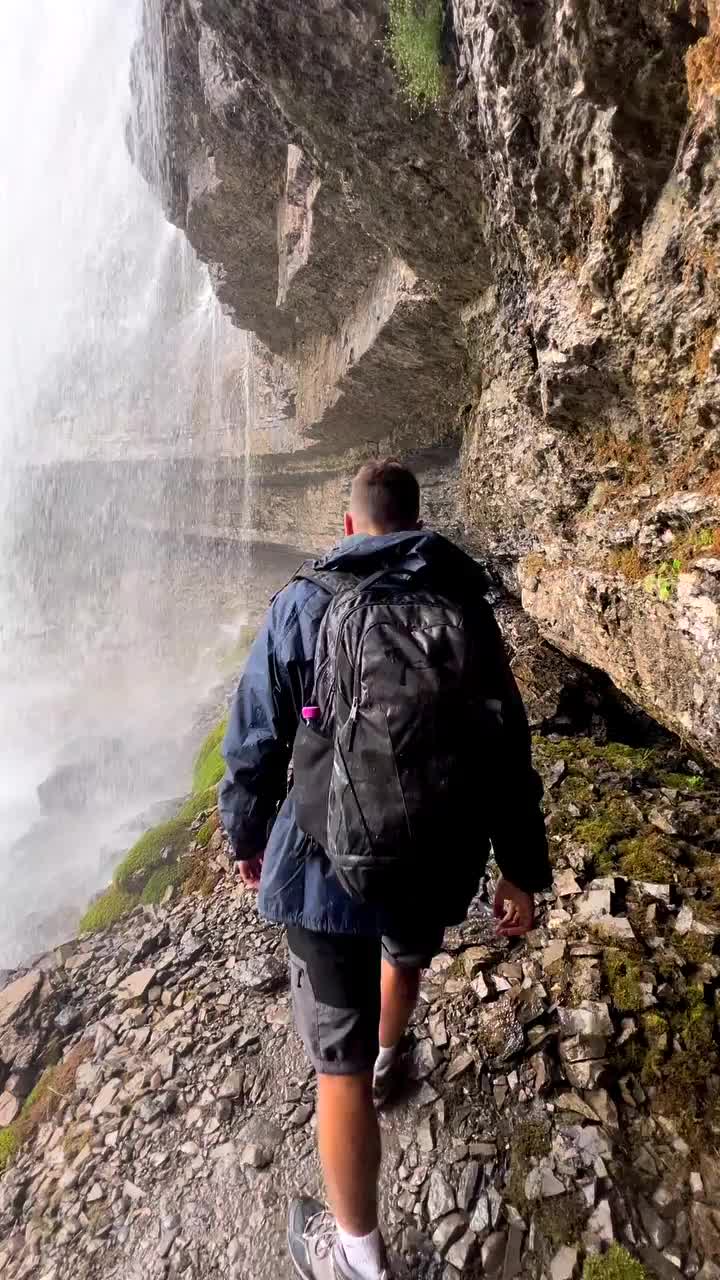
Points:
313	1242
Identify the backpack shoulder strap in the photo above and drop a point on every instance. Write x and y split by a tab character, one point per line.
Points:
328	580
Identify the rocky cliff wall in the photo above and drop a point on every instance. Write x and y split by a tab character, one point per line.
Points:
529	272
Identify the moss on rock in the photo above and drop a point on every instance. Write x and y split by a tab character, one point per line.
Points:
616	1264
158	846
207	831
160	881
414	43
209	765
612	821
624	976
530	1140
647	856
9	1146
49	1093
106	910
152	864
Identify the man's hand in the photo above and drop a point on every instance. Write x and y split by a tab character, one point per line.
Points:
250	872
513	908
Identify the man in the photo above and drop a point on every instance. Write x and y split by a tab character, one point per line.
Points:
355	968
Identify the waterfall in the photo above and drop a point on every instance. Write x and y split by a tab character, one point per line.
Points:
122	388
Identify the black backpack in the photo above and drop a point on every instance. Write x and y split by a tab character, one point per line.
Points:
383	774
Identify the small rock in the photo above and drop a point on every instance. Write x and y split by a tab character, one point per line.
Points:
105	1098
646	889
593	904
697	1190
460	1252
599	1228
301	1115
262	974
480	1221
657	1228
256	1156
480	987
9	1109
662	821
423	1059
564	1264
441	1198
614	928
553	955
513	1251
467	1186
459	1066
136	984
231	1086
448	1231
565	884
19	997
438	1030
493	1255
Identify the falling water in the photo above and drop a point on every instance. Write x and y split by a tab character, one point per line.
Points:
122	387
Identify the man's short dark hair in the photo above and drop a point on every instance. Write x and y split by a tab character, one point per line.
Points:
386	495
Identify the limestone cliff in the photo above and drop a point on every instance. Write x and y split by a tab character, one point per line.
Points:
528	273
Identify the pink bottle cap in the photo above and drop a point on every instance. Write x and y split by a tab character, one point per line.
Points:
311	713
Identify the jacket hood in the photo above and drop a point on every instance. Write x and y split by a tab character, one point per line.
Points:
413	552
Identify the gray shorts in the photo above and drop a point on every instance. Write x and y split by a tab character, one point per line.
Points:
335	984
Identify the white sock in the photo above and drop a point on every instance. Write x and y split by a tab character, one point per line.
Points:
384	1059
364	1254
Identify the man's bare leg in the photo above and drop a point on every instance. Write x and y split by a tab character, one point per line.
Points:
399	992
399	989
349	1145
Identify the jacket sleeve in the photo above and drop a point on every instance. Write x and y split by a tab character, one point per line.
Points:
513	794
261	727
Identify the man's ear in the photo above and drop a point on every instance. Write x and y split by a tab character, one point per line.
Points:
349	526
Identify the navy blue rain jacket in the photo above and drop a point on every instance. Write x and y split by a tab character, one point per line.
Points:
298	886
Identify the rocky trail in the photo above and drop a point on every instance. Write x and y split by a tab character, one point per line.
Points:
563	1093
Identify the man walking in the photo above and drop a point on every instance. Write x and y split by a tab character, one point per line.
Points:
380	671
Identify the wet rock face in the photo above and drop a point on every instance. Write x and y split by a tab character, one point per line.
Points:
339	228
594	439
534	267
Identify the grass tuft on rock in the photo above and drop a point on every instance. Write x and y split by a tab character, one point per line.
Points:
209	765
616	1264
110	907
153	863
647	856
160	845
624	976
414	43
160	881
48	1095
9	1146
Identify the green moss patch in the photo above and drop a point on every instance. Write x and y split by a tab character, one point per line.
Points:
561	1219
616	1264
648	856
153	863
209	765
530	1140
107	910
624	977
158	884
414	43
9	1146
42	1102
612	820
158	846
681	1061
682	781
